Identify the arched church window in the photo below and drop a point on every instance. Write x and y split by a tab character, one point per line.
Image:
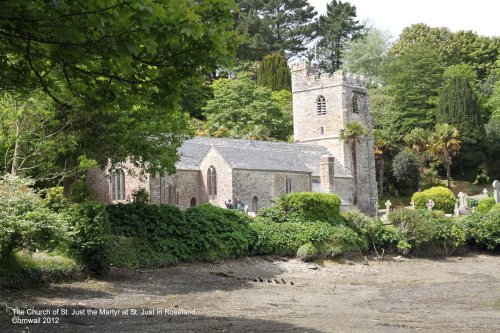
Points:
355	104
192	203
212	182
118	185
321	105
255	205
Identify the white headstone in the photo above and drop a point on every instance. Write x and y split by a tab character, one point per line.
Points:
456	211
412	204
430	204
388	205
496	191
463	200
485	192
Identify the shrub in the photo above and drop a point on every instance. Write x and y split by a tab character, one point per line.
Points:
485	205
24	219
140	196
406	166
277	214
123	252
311	206
372	229
217	233
308	252
427	235
443	198
79	192
286	238
54	198
484	229
88	235
495	208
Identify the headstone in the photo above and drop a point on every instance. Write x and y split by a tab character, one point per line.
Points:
485	192
430	204
496	191
412	204
463	201
388	205
456	211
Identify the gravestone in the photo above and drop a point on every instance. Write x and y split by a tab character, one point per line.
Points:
463	202
496	191
456	211
485	192
412	204
388	205
430	204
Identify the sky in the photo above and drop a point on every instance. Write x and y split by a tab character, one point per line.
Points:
481	16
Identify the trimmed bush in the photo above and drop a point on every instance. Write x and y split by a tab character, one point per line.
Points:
308	252
88	235
123	252
311	206
485	205
443	198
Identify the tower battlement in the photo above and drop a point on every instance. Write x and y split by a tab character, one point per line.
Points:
306	75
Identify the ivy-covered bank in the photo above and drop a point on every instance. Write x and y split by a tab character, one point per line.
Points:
46	237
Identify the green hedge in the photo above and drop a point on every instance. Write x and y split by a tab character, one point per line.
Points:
443	198
311	206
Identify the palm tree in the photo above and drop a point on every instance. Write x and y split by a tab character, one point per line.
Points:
352	133
383	145
444	144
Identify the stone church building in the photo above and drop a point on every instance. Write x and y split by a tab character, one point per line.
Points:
215	170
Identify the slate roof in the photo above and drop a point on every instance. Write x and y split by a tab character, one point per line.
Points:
256	155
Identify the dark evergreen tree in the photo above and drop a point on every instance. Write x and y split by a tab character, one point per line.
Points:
459	106
269	26
274	73
336	27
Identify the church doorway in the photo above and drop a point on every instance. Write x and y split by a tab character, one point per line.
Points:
192	203
255	205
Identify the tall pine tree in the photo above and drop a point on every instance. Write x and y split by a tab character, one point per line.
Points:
274	73
459	106
336	28
283	26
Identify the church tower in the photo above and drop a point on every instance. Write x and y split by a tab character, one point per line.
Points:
323	104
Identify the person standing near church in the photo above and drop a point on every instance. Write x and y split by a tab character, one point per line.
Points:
229	204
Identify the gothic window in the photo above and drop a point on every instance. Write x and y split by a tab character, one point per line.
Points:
321	105
192	203
212	182
288	185
355	104
255	205
118	185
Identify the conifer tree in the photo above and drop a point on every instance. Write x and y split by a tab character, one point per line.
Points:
459	106
274	73
336	28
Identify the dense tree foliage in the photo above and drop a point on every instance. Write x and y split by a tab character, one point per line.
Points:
336	28
115	69
269	26
365	55
413	79
406	167
274	73
459	106
444	143
242	109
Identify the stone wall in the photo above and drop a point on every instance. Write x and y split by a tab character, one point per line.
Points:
338	89
224	176
266	185
98	182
